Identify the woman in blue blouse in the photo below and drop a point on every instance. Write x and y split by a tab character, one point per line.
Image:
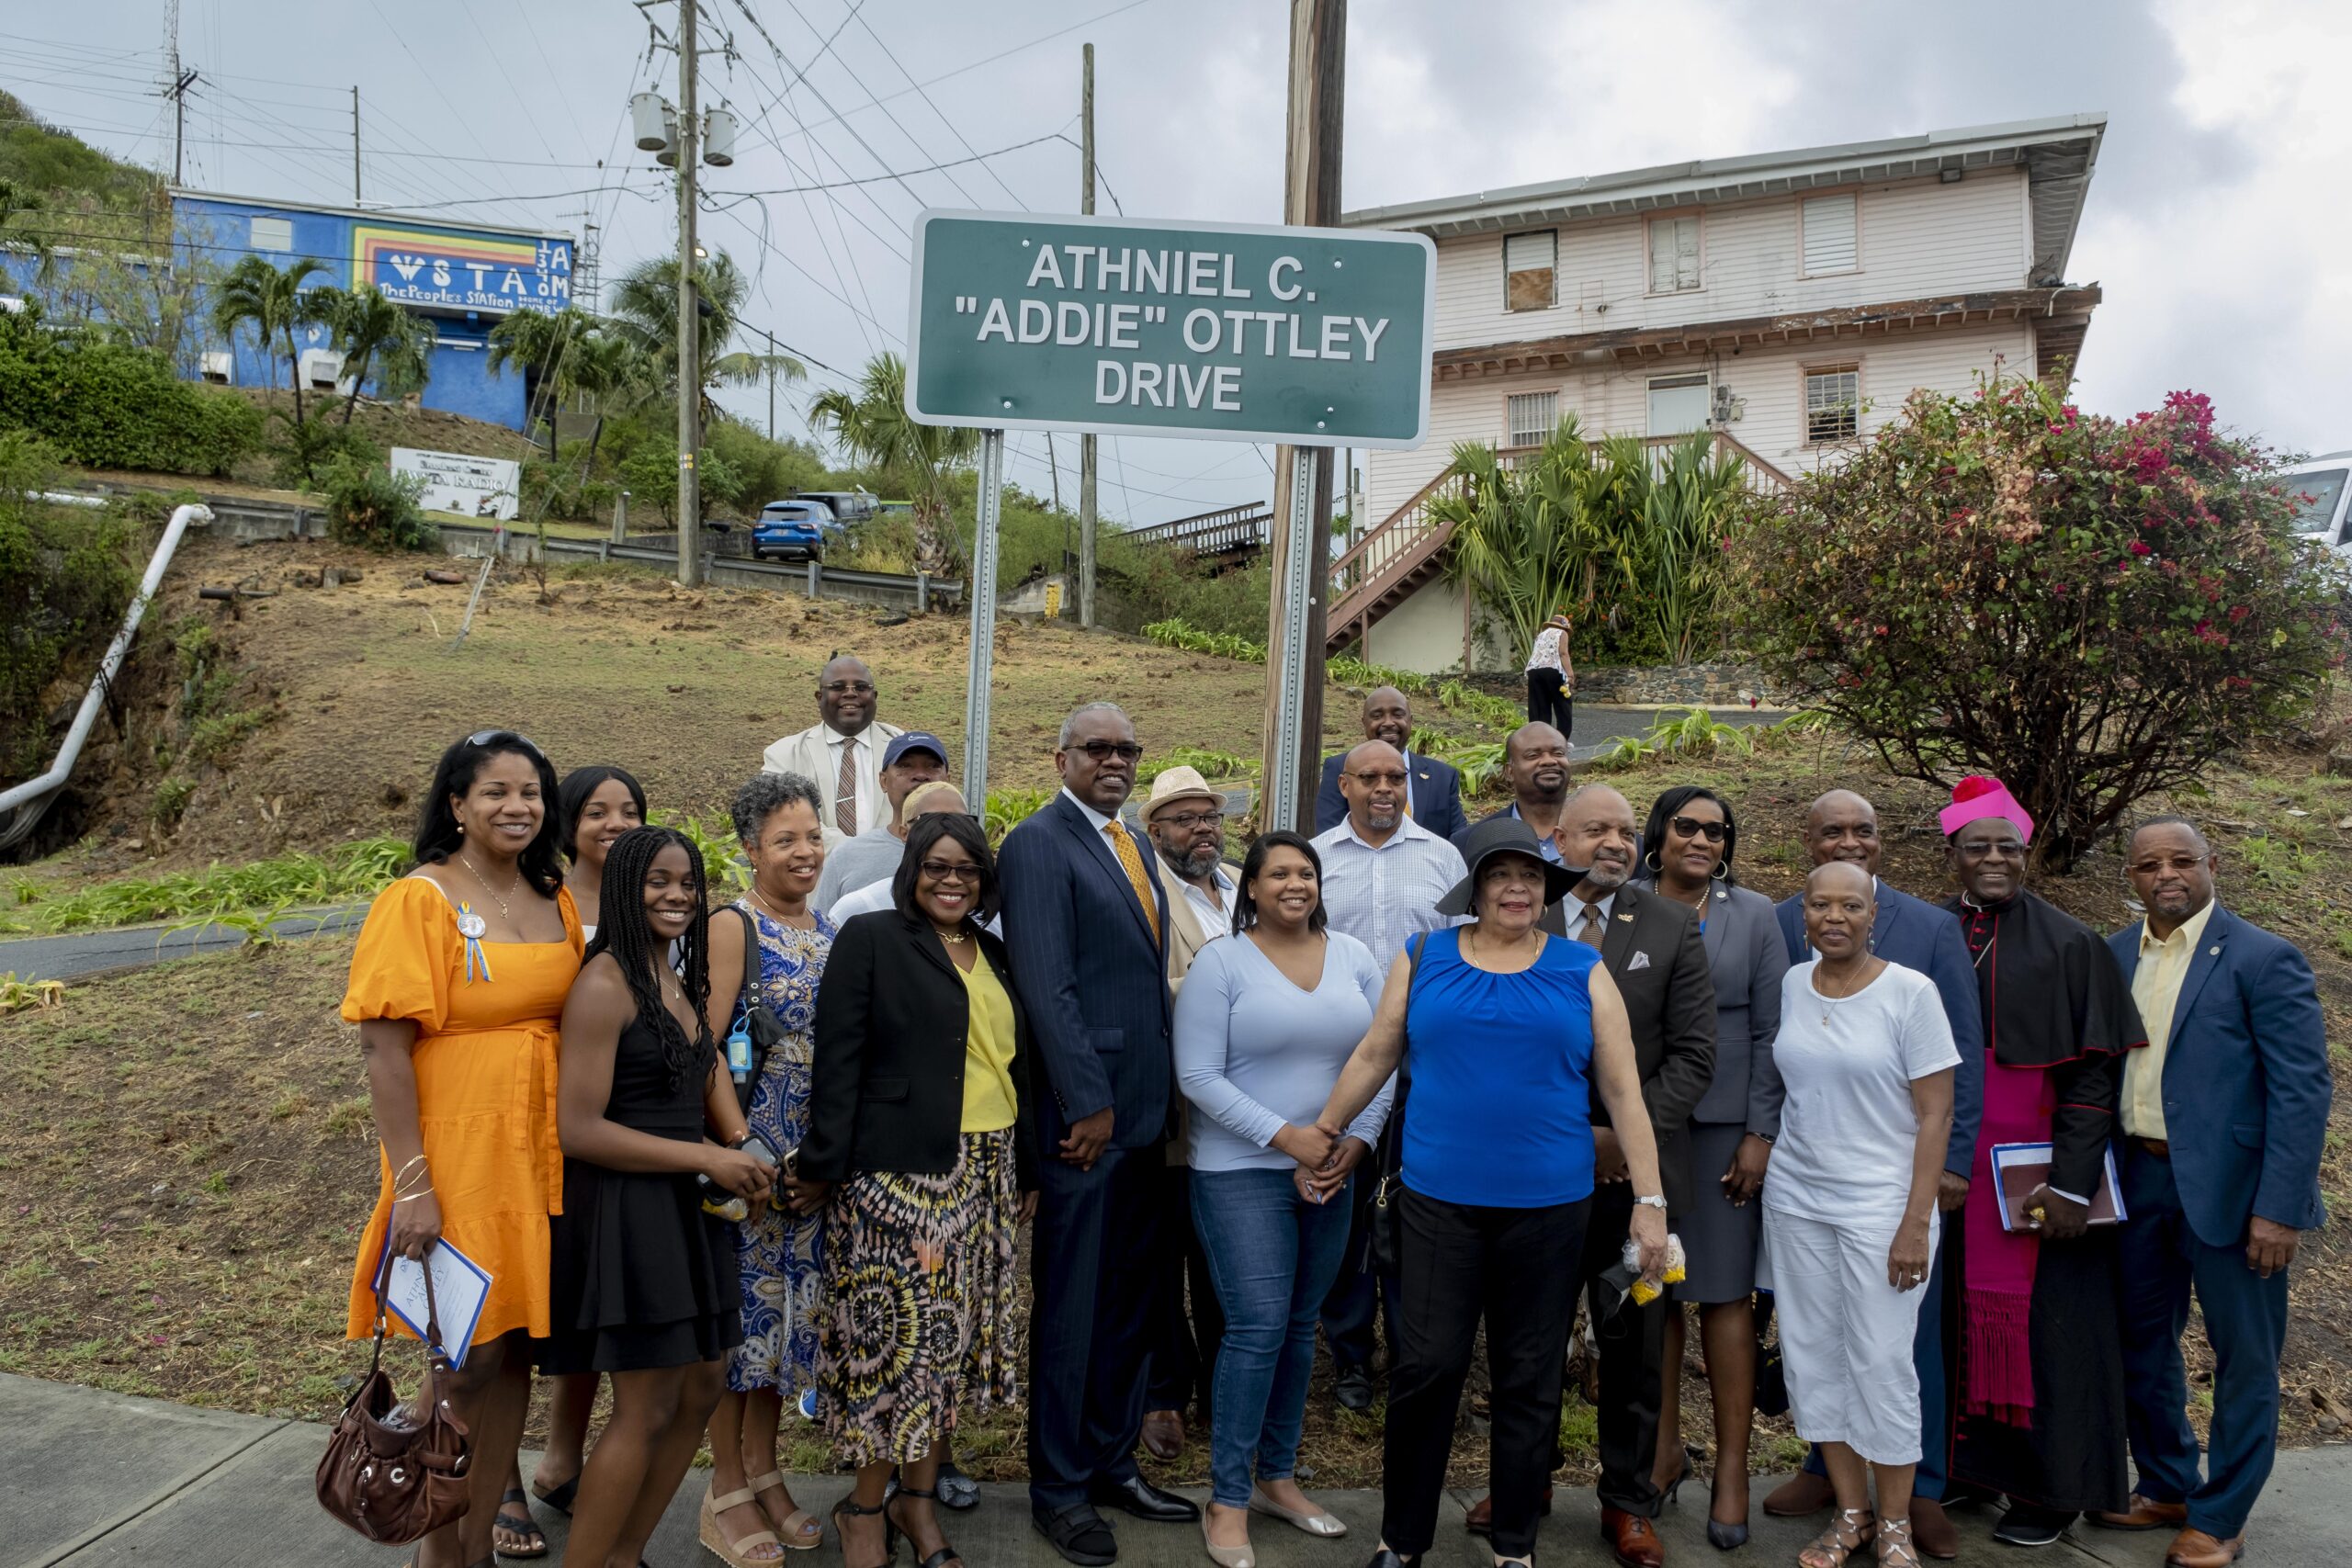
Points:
1507	1037
1263	1024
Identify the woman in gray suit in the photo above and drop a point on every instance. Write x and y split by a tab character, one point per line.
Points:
1688	850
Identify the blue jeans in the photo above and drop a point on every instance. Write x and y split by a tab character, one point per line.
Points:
1272	1255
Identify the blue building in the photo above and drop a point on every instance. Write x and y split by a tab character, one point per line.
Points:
463	279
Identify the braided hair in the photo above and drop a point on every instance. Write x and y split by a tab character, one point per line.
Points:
624	932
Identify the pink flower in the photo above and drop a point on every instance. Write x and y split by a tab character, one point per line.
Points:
2141	547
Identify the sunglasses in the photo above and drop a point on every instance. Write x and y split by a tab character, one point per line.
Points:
1392	781
1692	827
949	871
484	737
1103	750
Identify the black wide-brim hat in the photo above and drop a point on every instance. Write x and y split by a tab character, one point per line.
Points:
1498	836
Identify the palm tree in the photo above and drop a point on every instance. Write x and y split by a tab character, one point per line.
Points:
275	303
372	332
645	309
872	423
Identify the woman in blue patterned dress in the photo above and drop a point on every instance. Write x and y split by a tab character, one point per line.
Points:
750	1516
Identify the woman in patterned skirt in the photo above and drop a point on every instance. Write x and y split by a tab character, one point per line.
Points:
916	1136
750	1516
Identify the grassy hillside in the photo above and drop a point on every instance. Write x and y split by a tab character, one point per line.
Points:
52	162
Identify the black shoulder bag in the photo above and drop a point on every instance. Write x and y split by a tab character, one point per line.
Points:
760	1022
1382	1252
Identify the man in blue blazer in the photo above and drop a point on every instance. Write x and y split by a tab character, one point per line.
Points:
1085	924
1435	799
1914	934
2223	1116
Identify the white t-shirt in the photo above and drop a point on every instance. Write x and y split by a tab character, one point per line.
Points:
1847	1126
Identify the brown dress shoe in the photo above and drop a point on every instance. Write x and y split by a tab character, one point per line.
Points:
1800	1494
2141	1514
1163	1433
1480	1520
1632	1538
1931	1530
2195	1548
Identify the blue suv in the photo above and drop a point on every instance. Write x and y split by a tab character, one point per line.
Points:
793	528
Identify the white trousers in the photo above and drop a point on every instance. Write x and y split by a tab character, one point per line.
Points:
1845	1334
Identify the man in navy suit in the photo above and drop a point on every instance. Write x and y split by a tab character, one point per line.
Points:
1842	825
1086	923
1434	795
2222	1119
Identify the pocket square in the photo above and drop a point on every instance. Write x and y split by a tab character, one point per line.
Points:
1639	961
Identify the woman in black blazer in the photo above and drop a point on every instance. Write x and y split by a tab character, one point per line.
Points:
918	1140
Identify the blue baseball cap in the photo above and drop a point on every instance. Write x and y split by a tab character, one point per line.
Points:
915	740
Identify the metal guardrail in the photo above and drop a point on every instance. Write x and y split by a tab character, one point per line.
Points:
917	591
1212	533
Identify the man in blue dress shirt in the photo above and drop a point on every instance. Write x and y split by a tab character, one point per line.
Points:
1842	825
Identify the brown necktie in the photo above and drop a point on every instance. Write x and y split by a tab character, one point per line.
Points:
1589	933
845	791
1125	848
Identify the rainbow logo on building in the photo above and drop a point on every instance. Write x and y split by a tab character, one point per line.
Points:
452	270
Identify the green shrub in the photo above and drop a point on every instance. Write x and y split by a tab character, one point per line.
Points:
65	578
171	801
108	405
375	507
303	454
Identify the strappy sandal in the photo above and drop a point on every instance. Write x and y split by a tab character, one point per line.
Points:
516	1520
559	1498
1851	1530
1895	1545
797	1531
737	1554
945	1554
850	1506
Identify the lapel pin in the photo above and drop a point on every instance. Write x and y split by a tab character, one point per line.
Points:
1627	918
2214	951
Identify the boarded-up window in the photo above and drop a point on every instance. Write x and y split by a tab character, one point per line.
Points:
1833	403
1830	235
273	233
1674	254
1530	265
1532	416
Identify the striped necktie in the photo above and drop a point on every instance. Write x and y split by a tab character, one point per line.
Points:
845	791
1124	847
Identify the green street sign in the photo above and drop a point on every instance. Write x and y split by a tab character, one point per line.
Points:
1315	337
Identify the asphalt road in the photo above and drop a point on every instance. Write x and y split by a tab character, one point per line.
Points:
86	953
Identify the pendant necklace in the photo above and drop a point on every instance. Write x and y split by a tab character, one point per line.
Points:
513	887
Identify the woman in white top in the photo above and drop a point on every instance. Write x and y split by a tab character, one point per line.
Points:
1551	678
1850	1208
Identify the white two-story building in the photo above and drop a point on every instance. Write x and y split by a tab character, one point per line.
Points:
1788	302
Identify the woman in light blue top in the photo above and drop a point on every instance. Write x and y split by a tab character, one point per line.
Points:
1263	1025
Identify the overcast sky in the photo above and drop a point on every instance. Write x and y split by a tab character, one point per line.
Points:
2217	221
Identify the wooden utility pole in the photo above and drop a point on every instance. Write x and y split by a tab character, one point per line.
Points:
1086	518
1319	41
689	354
355	144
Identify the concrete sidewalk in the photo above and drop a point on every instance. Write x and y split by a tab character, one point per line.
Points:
89	1478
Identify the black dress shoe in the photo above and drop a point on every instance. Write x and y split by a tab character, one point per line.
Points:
1353	1388
1140	1497
2028	1525
957	1490
1079	1533
1383	1557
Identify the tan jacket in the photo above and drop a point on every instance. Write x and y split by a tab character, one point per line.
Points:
1186	937
808	754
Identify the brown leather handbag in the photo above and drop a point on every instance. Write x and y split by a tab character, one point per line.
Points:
397	1472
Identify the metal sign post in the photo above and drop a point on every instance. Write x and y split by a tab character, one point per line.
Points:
1280	798
981	588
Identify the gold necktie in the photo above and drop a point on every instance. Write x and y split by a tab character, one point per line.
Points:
845	791
1125	848
1588	933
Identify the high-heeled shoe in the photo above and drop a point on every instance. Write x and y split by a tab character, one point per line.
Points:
1672	1490
947	1553
1721	1536
890	1529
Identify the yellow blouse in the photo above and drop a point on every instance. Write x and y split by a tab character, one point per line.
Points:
989	1103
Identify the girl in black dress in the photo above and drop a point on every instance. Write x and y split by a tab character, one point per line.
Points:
642	1281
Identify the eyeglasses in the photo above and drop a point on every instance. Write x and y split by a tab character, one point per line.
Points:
950	871
484	737
1392	781
1104	750
1999	849
1189	821
1692	827
849	689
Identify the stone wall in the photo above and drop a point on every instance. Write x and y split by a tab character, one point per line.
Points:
1714	686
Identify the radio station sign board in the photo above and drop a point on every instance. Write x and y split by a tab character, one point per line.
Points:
1315	337
472	487
453	270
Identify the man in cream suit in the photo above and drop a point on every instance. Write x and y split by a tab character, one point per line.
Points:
1185	819
841	754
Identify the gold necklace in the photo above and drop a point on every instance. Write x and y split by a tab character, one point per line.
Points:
953	939
1829	1002
761	900
516	887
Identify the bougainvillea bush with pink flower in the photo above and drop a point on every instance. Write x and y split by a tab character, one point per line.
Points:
2088	609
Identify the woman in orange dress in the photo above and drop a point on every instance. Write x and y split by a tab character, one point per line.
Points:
457	985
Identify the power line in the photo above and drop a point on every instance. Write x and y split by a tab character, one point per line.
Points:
893	59
878	179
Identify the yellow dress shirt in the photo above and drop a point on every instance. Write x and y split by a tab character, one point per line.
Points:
2155	988
989	1104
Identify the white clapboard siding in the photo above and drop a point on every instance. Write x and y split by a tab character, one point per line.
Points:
1916	238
